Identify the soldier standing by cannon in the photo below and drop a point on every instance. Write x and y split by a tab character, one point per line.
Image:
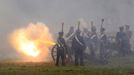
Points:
78	46
61	48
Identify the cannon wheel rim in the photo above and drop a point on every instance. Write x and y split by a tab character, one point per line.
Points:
54	52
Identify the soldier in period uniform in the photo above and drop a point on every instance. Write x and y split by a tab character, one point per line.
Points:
103	45
93	42
61	49
129	35
78	46
122	40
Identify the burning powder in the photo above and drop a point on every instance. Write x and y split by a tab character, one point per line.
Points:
32	41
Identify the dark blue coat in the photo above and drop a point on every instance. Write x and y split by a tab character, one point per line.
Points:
78	45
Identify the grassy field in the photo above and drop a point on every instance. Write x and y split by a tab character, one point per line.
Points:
118	66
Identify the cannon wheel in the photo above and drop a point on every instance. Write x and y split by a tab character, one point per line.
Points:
54	53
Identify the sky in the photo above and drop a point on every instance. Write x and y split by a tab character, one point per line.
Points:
19	13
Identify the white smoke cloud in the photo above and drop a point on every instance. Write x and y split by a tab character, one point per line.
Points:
17	13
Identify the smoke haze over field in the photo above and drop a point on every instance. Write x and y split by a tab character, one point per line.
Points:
19	13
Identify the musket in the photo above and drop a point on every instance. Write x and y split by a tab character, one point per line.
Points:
62	27
102	20
78	25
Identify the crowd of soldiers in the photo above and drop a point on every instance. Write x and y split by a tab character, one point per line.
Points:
76	44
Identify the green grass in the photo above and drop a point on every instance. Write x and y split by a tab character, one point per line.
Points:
117	66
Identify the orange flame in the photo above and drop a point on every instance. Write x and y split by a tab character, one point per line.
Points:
33	41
